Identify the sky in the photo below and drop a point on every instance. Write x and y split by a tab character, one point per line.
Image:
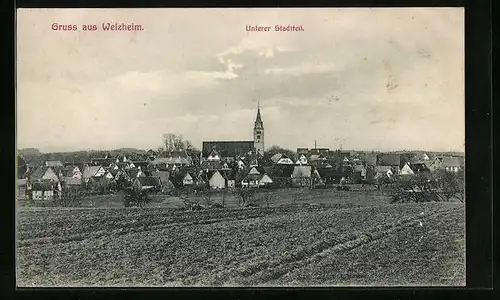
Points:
369	79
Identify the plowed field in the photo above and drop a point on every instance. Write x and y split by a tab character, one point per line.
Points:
403	244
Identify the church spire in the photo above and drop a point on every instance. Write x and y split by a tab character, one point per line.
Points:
258	119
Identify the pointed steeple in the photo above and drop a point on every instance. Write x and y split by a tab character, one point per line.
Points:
258	119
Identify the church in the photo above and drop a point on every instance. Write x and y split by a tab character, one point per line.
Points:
233	149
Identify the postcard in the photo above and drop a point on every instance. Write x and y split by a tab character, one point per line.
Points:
240	147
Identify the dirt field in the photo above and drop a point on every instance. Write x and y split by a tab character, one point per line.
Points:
342	242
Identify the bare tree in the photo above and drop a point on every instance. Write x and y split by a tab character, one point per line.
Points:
246	195
207	197
174	142
268	197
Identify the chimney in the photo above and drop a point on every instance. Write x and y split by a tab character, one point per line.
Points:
315	144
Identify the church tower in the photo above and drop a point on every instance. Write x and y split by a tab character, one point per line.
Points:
258	133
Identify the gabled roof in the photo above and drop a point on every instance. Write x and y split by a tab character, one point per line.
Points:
389	159
276	157
91	171
451	161
40	171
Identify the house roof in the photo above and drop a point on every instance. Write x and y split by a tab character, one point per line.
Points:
148	181
171	161
90	171
53	163
389	159
276	157
227	148
40	171
451	161
301	171
22	182
212	165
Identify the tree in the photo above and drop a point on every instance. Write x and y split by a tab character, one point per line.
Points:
450	184
135	197
174	142
245	194
277	149
416	188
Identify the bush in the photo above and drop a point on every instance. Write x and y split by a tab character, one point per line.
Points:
136	198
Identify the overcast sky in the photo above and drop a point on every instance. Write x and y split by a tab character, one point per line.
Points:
382	79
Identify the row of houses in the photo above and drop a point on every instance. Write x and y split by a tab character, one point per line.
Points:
169	170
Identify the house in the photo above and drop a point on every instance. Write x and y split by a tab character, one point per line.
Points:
317	159
383	171
188	178
212	165
302	160
71	170
169	159
109	175
414	168
216	180
46	173
265	180
54	164
301	176
92	171
281	159
45	190
214	156
252	177
389	159
448	163
147	183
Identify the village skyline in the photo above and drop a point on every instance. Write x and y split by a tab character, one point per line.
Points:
391	82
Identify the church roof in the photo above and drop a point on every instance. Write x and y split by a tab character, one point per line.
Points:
258	119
